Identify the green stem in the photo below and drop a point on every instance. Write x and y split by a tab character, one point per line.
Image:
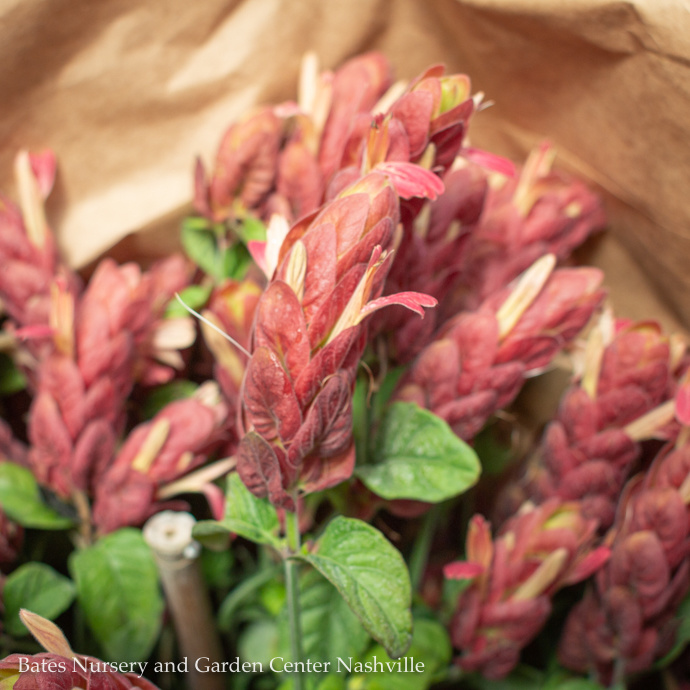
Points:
420	554
292	592
292	531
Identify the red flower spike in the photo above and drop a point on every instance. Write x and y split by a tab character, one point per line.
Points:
289	159
357	85
539	212
514	333
513	577
29	257
307	338
157	453
588	450
245	165
625	621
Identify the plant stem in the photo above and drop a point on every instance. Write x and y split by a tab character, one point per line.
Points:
292	592
84	537
420	554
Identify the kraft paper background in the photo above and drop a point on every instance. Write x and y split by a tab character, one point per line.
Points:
128	93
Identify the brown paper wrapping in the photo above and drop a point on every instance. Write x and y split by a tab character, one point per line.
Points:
128	93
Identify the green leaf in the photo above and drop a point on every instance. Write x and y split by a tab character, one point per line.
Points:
332	682
417	456
8	678
21	500
451	591
167	393
11	378
117	587
272	596
371	576
38	588
250	229
259	642
201	246
423	664
216	567
329	627
236	262
212	534
198	223
246	515
194	296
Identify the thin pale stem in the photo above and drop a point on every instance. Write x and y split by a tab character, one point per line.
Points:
292	592
84	538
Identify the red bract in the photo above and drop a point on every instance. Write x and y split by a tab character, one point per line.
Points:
434	113
307	340
626	620
29	254
426	125
91	348
289	159
155	454
356	87
299	185
540	212
60	668
477	237
587	452
231	309
513	578
429	258
478	362
245	168
103	343
124	302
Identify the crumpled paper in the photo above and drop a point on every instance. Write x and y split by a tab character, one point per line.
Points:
127	94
